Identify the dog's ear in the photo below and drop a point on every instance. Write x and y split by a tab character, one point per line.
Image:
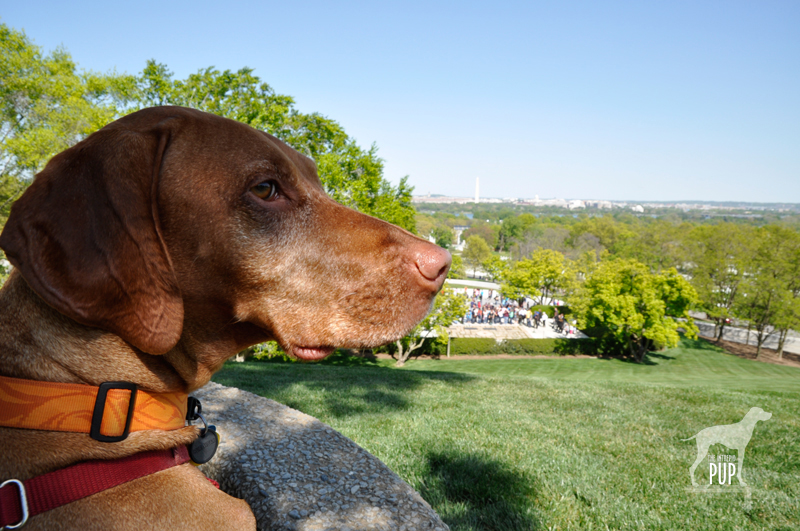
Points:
85	236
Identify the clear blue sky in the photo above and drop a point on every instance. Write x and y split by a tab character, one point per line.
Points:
696	100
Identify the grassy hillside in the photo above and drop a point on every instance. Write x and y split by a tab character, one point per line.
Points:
562	443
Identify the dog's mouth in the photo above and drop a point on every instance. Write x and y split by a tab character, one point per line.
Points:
310	353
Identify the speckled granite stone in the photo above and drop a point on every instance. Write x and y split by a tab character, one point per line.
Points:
300	474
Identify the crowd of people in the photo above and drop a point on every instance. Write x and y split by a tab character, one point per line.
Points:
488	306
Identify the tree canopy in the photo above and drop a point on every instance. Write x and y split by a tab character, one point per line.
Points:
544	275
630	309
47	105
476	252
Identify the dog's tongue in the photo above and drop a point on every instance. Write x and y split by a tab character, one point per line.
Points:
312	353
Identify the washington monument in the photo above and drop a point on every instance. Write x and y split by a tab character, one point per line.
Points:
477	195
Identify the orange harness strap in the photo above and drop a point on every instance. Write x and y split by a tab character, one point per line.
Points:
107	412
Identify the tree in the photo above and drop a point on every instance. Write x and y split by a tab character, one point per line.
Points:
495	267
457	268
45	107
541	277
658	244
351	175
443	235
447	308
719	259
484	230
632	310
611	233
771	283
476	251
513	229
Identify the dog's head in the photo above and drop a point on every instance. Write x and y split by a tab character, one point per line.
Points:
758	414
176	227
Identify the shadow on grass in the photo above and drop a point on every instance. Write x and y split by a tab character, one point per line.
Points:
342	387
699	344
472	492
649	358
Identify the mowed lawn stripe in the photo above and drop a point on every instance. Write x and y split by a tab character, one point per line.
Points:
703	365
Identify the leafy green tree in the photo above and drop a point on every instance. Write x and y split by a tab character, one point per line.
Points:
513	229
444	236
658	244
485	230
543	276
788	317
611	233
771	283
447	309
495	267
632	310
540	237
720	258
46	105
457	268
350	174
476	251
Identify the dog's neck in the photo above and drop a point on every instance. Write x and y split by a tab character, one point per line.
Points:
39	343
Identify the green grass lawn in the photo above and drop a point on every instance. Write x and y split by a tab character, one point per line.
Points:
559	443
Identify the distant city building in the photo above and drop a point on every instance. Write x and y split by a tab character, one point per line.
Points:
576	203
599	204
638	208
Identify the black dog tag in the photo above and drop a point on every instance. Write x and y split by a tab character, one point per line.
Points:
205	446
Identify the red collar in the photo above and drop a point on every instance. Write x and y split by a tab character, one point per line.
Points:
20	500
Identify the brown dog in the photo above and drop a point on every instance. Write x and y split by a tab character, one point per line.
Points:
156	249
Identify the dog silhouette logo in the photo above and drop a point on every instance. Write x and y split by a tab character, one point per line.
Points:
734	436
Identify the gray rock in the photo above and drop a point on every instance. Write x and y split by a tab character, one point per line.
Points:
298	473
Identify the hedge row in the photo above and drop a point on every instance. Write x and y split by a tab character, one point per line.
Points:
488	346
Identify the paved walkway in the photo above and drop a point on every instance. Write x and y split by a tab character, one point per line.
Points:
740	335
502	332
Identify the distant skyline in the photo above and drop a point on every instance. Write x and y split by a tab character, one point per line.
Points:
677	101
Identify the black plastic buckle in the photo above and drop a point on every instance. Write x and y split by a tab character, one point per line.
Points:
194	409
100	406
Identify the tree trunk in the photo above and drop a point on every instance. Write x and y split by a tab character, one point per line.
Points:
761	338
402	357
641	349
631	347
721	330
782	341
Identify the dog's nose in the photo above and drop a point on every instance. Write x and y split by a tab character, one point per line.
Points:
433	263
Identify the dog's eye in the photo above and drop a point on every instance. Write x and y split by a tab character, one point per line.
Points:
266	190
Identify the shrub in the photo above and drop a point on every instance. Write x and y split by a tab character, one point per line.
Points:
473	345
547	346
530	346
